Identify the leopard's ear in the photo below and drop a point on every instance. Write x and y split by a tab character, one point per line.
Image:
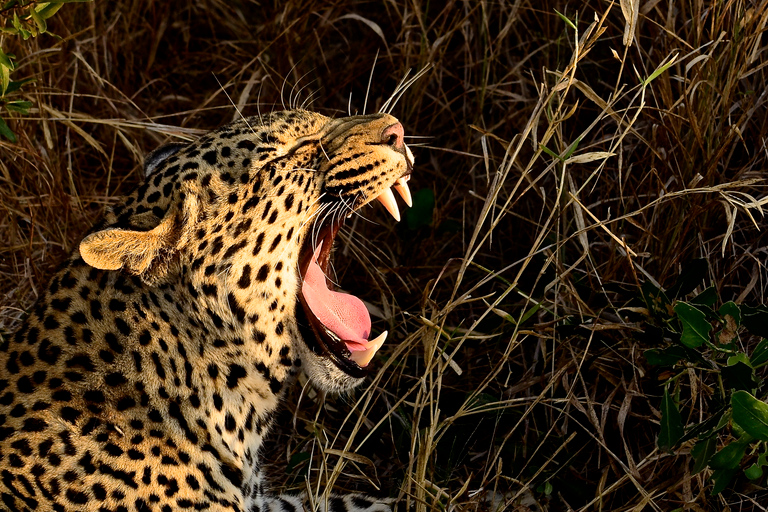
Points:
144	253
153	161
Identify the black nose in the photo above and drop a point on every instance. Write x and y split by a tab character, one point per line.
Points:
393	136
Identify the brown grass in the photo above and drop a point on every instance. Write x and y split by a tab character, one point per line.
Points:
565	173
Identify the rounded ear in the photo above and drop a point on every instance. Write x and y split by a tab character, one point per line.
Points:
153	160
144	253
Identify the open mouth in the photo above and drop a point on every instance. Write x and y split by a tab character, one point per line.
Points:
337	325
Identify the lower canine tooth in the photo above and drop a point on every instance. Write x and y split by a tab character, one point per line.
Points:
387	198
401	186
363	357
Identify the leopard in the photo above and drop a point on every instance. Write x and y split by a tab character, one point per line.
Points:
150	370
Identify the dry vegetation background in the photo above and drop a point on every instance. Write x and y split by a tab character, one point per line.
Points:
556	172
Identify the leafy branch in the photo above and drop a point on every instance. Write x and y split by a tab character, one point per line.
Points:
24	18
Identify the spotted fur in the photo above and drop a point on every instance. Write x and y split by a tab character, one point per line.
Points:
148	373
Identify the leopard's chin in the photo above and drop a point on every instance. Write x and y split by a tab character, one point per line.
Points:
335	326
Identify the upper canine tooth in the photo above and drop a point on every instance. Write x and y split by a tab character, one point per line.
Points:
402	188
387	198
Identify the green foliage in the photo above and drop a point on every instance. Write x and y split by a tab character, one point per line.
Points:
712	341
24	18
671	423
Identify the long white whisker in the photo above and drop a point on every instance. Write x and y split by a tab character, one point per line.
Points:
385	106
366	219
233	104
313	234
321	222
298	93
323	149
403	86
370	79
316	226
294	99
337	212
290	96
282	87
307	102
258	101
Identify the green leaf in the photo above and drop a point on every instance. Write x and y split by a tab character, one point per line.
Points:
550	152
420	214
5	80
722	478
706	298
6	132
750	414
655	300
572	148
738	376
666	63
696	328
753	472
48	9
19	106
42	26
730	456
5	61
702	451
565	19
739	357
755	320
691	276
17	23
15	85
759	356
528	314
762	459
671	423
667	356
716	421
731	309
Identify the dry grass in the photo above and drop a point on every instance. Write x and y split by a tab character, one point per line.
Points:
566	171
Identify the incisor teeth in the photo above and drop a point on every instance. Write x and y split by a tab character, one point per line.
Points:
401	186
387	198
363	357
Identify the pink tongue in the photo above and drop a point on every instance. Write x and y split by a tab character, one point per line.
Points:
343	314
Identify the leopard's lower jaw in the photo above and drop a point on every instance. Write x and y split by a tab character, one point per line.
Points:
325	374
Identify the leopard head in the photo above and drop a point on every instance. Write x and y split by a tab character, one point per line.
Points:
240	225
